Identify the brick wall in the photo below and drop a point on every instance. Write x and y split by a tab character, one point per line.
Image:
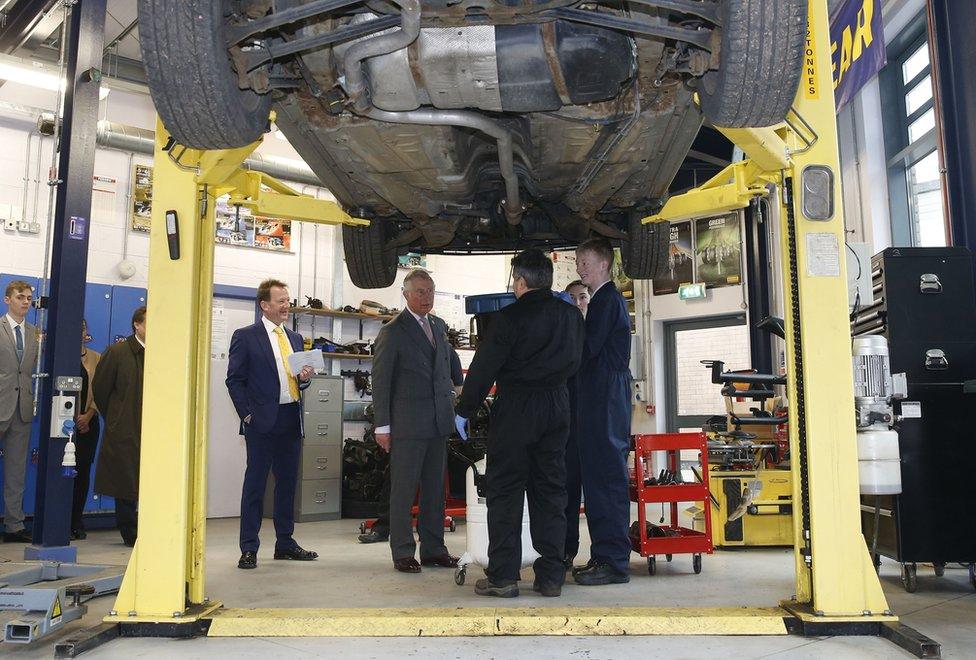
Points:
697	395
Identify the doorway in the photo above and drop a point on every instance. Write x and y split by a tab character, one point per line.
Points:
226	454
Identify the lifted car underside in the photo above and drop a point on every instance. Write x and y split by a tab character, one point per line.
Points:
599	120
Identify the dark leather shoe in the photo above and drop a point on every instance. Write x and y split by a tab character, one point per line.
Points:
78	534
373	537
601	574
485	587
406	565
22	536
549	589
296	554
444	561
248	560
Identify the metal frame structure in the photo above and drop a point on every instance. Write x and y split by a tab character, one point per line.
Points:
49	595
837	589
69	266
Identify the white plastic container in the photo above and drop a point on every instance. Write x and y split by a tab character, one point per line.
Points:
476	528
878	462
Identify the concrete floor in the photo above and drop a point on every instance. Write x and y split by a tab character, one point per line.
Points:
353	575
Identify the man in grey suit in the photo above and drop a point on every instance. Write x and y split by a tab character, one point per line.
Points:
414	415
18	353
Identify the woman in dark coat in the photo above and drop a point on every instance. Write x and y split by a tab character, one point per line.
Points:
117	387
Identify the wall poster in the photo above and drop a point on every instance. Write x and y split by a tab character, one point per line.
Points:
681	261
141	198
234	225
718	250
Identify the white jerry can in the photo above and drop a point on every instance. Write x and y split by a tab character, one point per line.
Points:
476	528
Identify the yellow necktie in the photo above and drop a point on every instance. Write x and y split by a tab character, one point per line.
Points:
285	349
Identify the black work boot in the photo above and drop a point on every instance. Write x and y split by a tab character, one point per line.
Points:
601	574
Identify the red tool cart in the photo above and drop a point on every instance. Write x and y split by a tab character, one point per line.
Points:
669	539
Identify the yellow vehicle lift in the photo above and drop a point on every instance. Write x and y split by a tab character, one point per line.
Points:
837	589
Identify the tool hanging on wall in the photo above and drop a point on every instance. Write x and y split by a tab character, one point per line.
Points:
361	381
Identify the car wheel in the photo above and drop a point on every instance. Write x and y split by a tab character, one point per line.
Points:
191	79
761	60
645	251
370	263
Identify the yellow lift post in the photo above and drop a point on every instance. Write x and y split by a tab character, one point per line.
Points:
836	584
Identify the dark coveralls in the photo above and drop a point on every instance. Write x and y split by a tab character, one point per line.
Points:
532	349
603	388
574	483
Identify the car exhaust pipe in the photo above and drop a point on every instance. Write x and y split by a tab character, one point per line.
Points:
352	62
506	157
355	86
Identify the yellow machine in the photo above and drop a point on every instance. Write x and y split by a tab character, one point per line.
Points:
746	516
836	584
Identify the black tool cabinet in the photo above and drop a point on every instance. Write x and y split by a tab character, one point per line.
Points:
925	305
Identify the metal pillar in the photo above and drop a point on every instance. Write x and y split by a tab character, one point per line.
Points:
951	28
69	269
164	582
757	268
835	578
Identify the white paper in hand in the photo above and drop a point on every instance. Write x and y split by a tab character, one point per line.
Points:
314	359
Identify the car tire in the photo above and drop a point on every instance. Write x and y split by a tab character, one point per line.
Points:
645	252
761	61
191	80
371	265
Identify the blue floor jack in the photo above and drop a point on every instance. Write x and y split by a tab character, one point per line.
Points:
45	596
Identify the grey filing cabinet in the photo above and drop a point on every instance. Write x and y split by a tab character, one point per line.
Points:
319	491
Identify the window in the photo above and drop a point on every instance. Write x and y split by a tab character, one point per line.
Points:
692	397
914	182
925	194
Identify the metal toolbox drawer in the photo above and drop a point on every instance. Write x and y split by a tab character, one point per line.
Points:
322	462
323	429
324	395
320	496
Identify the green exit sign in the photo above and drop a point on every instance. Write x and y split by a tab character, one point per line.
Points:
691	291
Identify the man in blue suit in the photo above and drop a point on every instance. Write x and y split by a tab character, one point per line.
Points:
267	397
603	419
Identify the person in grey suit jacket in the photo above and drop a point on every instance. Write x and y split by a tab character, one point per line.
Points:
414	415
18	353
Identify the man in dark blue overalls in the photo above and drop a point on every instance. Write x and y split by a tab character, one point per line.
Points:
603	420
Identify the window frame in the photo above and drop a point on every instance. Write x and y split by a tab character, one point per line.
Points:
900	152
675	421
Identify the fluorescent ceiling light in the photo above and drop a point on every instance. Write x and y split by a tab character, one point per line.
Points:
37	76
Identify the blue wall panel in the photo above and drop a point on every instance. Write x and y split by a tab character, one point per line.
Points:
98	315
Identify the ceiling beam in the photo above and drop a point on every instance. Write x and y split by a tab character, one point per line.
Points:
121	35
26	17
121	68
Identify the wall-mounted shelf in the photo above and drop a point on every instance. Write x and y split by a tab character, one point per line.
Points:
345	356
337	314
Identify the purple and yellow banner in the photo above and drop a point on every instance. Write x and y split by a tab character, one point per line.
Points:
857	47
